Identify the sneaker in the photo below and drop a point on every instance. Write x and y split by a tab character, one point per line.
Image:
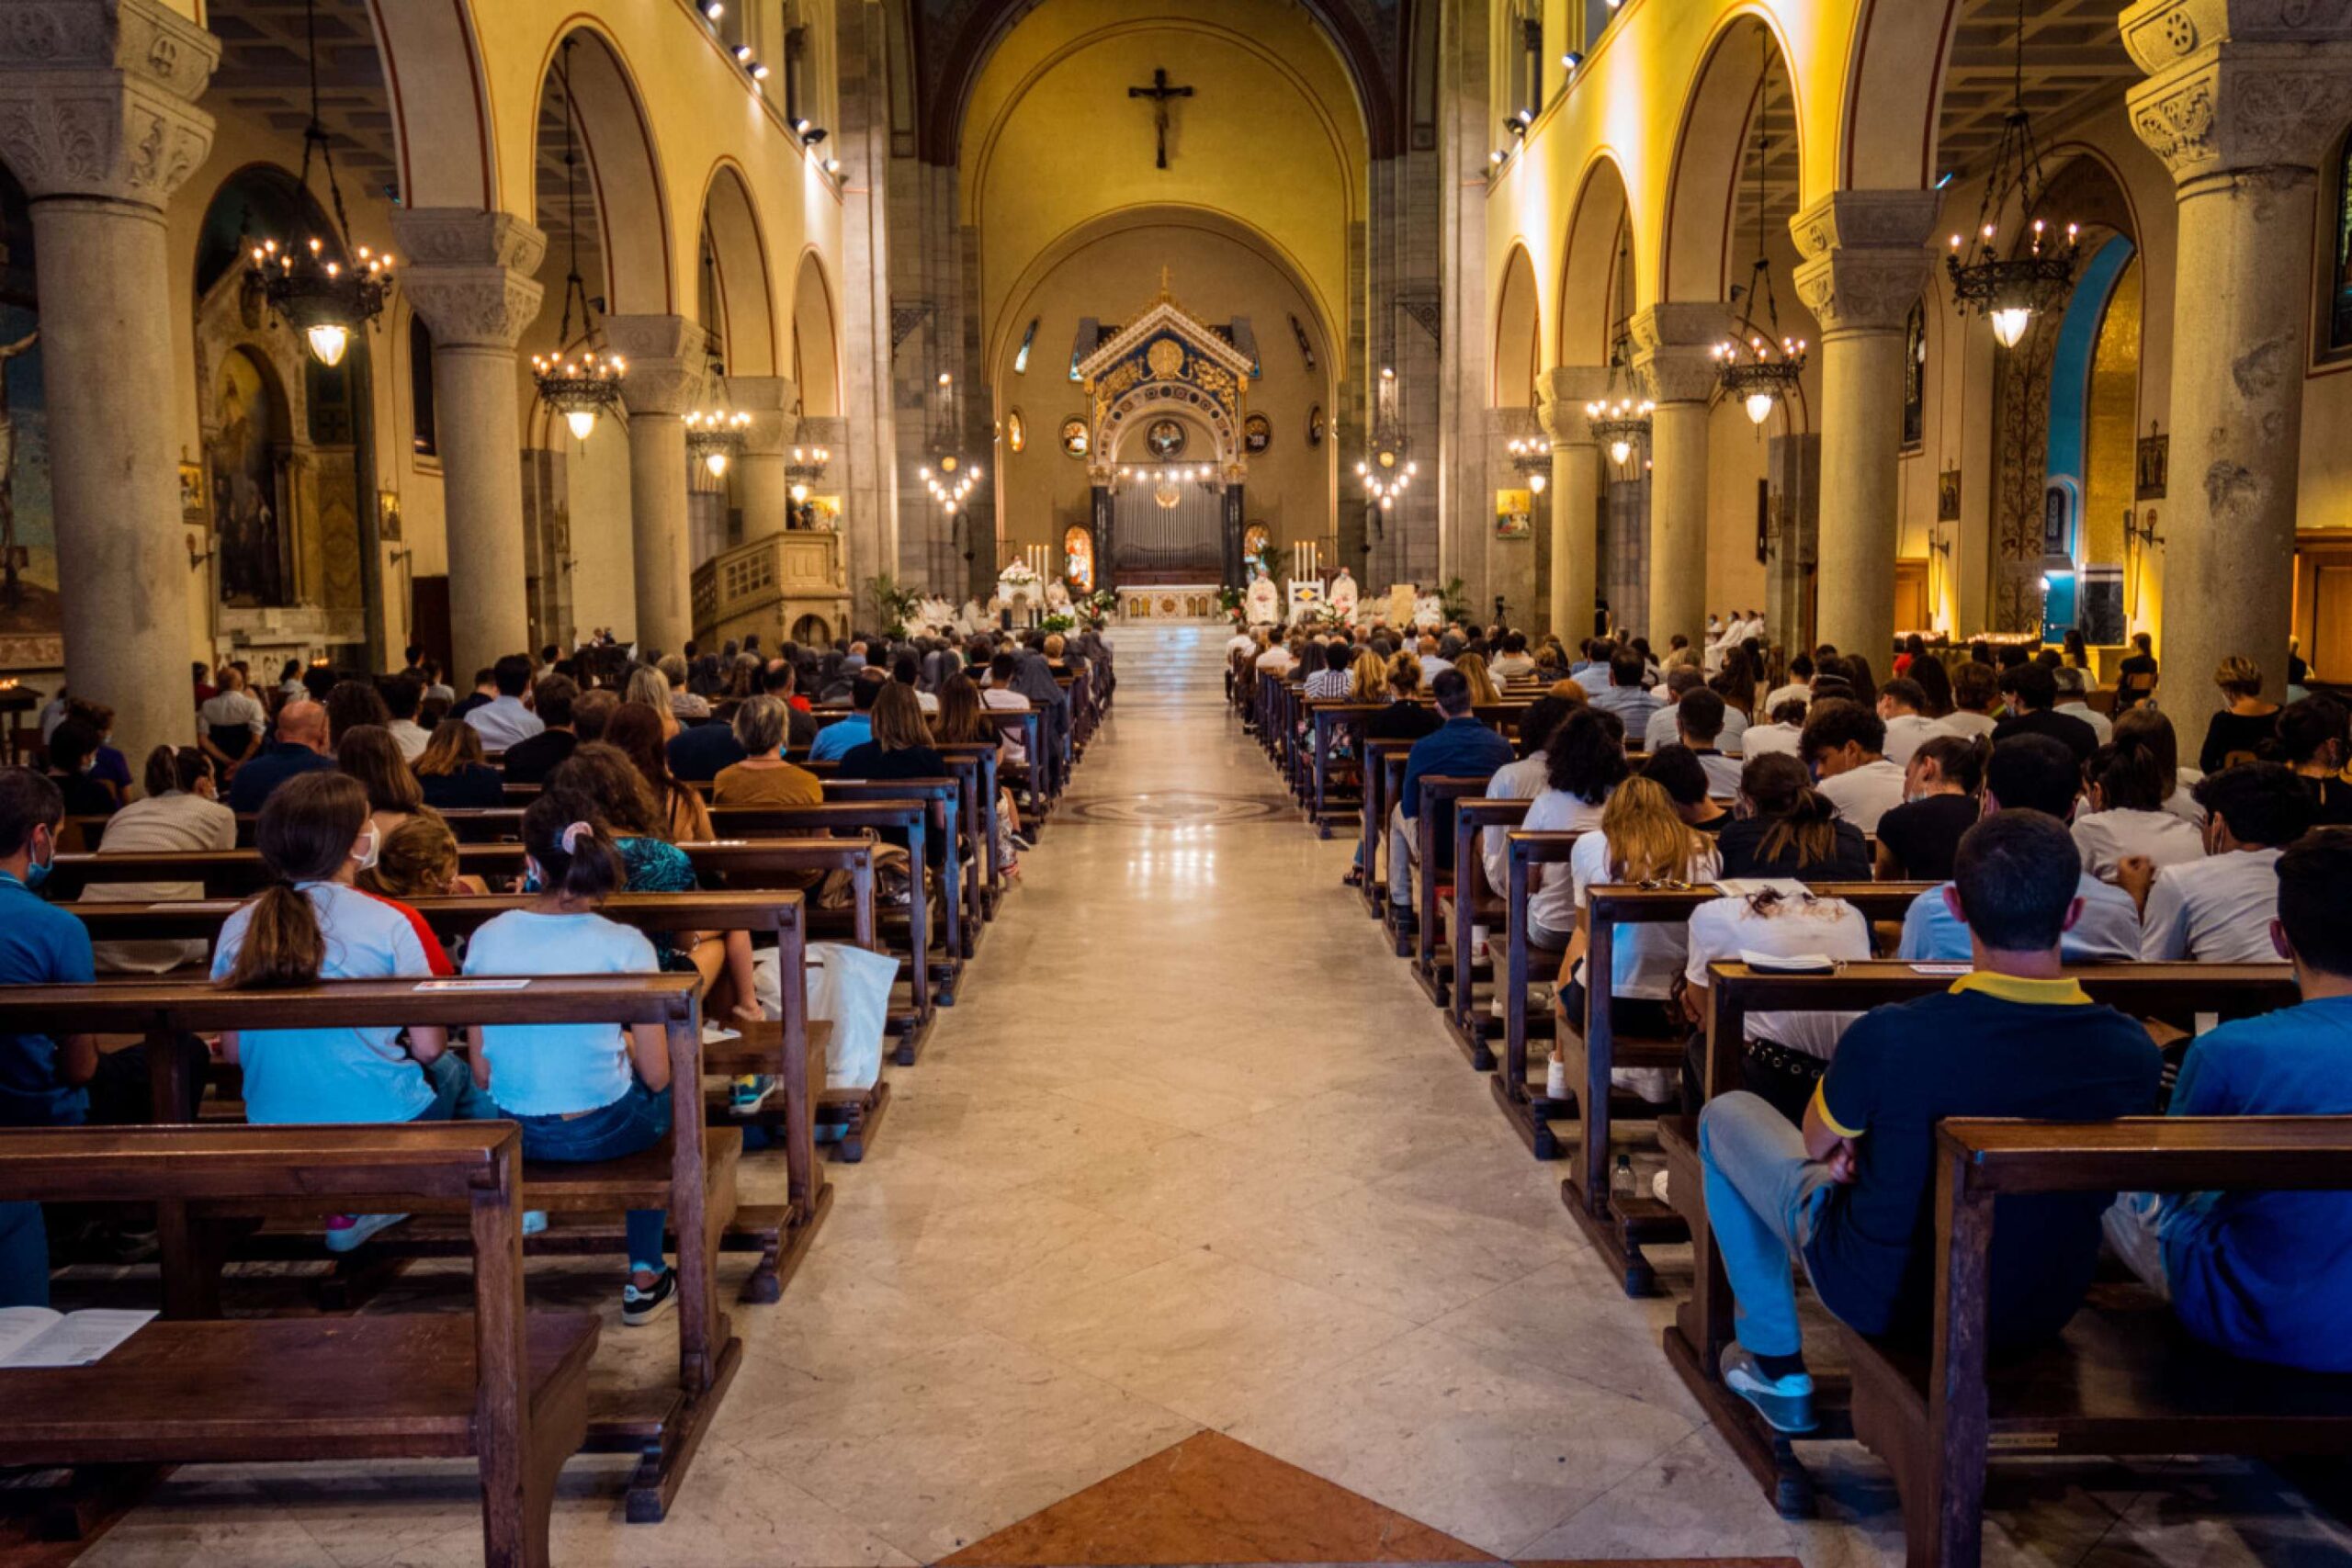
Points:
640	1305
1556	1079
746	1095
534	1222
1785	1403
1658	1187
719	1035
345	1232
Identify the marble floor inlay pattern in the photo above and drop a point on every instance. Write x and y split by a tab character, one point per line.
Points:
1191	1172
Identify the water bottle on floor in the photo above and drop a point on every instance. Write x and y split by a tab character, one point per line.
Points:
1620	1179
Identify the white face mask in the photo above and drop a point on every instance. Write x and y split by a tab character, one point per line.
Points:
375	844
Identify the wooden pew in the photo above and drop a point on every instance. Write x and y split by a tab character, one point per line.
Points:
783	1234
946	798
2125	1377
1326	719
1621	1228
693	1178
1530	1113
1474	904
1392	784
1702	1325
1380	776
1432	968
504	1387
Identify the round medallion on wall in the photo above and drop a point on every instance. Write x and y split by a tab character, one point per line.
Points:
1016	431
1166	358
1074	438
1314	425
1166	438
1257	433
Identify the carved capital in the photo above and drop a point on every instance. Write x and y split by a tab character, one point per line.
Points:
2239	84
94	97
1872	290
773	402
2159	34
668	372
473	307
1561	394
465	236
1674	348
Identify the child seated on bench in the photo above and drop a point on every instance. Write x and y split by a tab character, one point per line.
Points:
316	835
581	1092
2266	1275
1852	1192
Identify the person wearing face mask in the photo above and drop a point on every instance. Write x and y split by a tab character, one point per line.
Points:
180	813
311	924
73	750
1942	786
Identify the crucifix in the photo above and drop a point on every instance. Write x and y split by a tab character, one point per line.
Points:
1159	92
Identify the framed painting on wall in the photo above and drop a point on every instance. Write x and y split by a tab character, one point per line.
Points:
1514	514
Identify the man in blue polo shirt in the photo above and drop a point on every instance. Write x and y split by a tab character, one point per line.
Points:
1460	747
2267	1275
833	741
298	746
1853	1190
43	1080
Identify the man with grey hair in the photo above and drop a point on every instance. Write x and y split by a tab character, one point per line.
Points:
2072	687
1681	680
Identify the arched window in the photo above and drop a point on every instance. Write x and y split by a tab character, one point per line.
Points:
419	388
1914	377
2339	277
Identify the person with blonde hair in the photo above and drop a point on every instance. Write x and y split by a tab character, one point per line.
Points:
651	689
1368	678
1482	683
418	860
2245	722
1642	839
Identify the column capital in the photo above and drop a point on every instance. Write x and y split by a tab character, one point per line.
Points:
1867	257
1561	394
2239	84
773	402
668	371
468	274
1674	346
97	98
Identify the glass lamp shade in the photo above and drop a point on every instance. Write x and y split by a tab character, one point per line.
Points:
582	422
1537	480
328	340
2009	324
1620	450
716	463
1759	407
799	492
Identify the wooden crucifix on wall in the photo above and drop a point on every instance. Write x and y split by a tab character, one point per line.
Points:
1159	92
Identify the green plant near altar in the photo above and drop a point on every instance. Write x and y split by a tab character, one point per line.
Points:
1056	621
1099	604
893	605
1230	604
1453	600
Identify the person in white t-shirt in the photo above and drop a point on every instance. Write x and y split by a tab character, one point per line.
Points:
2218	910
1799	687
1642	839
2125	817
1901	705
1796	1046
2074	685
180	813
1842	745
1783	734
2143	723
1525	779
1976	691
1584	763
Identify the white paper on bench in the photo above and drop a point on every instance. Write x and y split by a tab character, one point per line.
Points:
1749	886
472	984
36	1336
1789	963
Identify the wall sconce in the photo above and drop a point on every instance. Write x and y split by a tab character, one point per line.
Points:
196	558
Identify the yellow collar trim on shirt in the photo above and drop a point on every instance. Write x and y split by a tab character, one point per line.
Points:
2067	992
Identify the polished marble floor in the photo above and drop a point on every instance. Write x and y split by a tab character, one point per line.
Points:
1190	1184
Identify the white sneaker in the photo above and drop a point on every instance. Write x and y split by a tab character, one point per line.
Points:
1658	1186
1785	1403
1556	1079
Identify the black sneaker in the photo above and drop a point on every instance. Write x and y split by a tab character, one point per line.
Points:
640	1305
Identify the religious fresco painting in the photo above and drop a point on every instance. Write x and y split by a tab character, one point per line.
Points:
1514	514
248	506
32	621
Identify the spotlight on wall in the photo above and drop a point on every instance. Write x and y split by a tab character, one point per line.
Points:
1495	158
1570	60
832	165
759	72
808	131
714	10
743	54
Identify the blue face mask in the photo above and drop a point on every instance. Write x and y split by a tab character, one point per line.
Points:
37	873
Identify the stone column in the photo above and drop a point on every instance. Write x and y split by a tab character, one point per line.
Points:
1672	349
666	375
468	274
2241	101
761	482
96	123
1561	394
1866	259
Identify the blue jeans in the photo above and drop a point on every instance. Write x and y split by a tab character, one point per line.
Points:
24	1256
1762	1195
455	1097
633	1123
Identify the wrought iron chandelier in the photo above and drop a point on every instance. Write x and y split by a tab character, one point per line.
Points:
1760	365
1387	473
2010	290
714	436
327	291
581	383
947	476
806	467
1531	455
1617	419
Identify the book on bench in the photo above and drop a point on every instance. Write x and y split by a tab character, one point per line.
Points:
36	1336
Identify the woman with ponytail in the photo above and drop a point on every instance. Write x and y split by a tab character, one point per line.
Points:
310	924
179	814
2125	814
581	1092
1787	827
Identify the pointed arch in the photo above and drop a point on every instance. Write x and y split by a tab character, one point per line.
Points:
1593	296
624	178
816	365
736	252
1518	332
1719	111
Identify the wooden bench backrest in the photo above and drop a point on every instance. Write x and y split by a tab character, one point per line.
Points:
442	1162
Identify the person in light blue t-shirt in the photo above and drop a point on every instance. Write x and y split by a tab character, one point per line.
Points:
2267	1275
2031	773
581	1092
835	739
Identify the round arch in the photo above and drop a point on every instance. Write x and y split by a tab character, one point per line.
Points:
623	170
1594	289
1518	332
1156	400
1886	128
252	200
736	253
816	352
1733	87
439	99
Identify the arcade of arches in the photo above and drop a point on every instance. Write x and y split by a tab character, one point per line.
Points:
1145	280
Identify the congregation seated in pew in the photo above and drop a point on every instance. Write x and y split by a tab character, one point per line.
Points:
1843	745
181	811
1943	787
1850	1192
2218	909
1461	747
1787	827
